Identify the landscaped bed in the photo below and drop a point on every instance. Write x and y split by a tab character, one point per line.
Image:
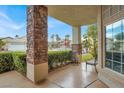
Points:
17	60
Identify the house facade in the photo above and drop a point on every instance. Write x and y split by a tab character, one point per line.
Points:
15	44
20	44
110	23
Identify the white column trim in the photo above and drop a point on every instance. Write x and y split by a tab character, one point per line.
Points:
76	35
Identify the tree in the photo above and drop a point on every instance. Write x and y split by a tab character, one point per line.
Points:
57	37
2	43
118	40
85	42
57	41
52	42
16	36
67	42
93	40
67	37
119	36
52	37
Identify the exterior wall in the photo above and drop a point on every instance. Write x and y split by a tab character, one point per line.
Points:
37	44
109	15
16	47
112	13
15	44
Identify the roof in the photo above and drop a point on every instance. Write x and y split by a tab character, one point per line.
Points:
6	38
15	40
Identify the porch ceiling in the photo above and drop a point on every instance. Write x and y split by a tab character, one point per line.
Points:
74	14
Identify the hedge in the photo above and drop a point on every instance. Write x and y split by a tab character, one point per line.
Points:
17	60
58	57
6	62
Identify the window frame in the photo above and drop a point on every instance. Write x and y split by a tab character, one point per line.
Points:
113	61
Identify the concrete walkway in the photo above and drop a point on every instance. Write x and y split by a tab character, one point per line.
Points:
71	76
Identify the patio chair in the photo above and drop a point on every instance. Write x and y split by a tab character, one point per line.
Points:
92	63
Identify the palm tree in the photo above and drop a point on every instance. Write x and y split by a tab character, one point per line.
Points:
57	41
67	42
52	37
52	42
57	37
67	37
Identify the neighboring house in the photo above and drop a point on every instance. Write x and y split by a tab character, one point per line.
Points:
19	44
59	45
15	44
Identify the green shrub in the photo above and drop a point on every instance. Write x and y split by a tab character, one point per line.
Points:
19	59
87	57
55	57
6	62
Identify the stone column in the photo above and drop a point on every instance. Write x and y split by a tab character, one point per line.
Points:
37	44
100	38
76	42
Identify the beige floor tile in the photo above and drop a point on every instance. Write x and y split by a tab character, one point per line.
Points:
70	76
98	84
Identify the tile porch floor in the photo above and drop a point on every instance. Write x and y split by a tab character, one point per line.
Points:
70	76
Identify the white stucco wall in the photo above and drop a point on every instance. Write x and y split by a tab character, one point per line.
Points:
15	47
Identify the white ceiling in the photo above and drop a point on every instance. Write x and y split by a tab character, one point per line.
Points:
74	14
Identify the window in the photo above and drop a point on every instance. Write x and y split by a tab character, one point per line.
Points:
115	46
109	43
123	47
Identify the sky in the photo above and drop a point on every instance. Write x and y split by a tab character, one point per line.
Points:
13	22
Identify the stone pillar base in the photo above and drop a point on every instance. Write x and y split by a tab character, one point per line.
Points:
76	50
37	73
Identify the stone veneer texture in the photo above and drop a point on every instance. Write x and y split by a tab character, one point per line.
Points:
37	44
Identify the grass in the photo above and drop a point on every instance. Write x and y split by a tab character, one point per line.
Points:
87	57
